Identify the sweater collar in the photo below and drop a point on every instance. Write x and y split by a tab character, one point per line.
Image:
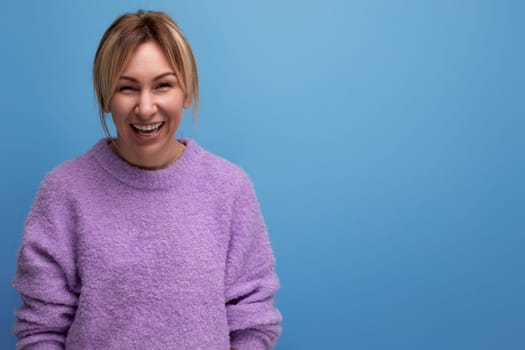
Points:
170	176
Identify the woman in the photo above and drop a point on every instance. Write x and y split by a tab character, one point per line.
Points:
146	241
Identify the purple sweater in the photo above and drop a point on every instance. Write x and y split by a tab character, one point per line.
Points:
117	257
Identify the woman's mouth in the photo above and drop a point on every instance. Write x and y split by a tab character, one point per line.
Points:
147	129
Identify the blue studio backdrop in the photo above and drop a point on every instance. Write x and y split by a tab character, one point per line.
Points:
385	140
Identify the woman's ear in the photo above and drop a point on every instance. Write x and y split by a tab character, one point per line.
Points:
187	102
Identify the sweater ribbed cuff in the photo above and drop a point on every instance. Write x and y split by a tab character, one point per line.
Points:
46	345
247	341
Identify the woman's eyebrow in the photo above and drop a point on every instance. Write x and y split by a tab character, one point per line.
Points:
125	77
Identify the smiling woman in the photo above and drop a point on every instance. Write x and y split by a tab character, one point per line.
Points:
144	75
146	241
147	109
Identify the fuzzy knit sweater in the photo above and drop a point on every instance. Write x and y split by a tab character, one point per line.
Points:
117	257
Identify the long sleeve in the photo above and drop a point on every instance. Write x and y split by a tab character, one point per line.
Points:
251	281
46	275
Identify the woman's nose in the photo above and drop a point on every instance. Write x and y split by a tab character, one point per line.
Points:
146	106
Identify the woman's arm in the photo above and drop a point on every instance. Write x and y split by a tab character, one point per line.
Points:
46	273
251	281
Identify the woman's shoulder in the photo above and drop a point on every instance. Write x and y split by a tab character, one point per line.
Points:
70	173
220	171
221	167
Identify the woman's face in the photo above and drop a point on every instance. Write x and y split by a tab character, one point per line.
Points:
146	108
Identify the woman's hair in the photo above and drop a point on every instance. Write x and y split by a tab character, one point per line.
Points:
123	37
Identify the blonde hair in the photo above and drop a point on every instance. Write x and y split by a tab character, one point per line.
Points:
122	38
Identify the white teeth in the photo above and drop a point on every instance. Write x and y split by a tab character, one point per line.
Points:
147	127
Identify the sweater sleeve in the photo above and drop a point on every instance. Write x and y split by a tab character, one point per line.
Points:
251	281
46	275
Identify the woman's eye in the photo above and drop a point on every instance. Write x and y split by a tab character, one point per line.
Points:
125	88
164	86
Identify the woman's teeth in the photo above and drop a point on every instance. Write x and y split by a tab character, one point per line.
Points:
147	129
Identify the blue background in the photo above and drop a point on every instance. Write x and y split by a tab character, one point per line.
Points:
385	140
